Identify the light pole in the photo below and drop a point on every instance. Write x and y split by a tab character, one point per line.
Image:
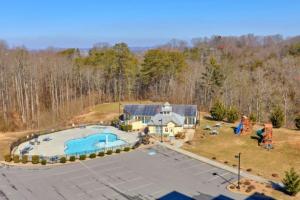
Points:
239	169
161	131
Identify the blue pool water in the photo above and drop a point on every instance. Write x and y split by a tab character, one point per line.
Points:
92	143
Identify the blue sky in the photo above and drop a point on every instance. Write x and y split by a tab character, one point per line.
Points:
81	23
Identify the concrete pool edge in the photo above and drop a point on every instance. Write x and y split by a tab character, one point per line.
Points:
46	151
30	166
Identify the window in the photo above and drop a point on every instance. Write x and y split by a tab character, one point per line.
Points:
166	129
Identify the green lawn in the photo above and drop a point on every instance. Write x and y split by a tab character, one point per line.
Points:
223	147
269	164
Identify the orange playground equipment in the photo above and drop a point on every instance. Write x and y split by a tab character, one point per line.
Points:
244	127
265	136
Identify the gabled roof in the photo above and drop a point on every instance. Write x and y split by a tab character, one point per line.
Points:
167	118
151	110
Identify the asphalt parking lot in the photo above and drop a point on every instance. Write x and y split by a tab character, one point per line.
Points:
156	173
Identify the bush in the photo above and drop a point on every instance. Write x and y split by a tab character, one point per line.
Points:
297	121
101	153
44	162
16	158
93	155
232	114
218	111
109	152
63	160
291	182
127	149
7	158
24	159
126	128
82	157
253	117
35	159
114	122
118	150
277	117
72	158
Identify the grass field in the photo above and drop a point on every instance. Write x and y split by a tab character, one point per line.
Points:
257	160
103	112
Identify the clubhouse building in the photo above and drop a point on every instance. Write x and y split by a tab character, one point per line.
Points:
161	118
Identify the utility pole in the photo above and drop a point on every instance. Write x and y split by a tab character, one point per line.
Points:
161	131
239	169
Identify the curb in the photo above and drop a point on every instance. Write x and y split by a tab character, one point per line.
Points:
217	164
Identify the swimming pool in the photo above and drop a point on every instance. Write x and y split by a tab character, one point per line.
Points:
92	143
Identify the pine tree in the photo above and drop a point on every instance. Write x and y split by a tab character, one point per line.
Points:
218	111
232	114
291	182
297	121
277	117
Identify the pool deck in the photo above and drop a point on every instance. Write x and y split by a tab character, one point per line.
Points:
154	173
56	145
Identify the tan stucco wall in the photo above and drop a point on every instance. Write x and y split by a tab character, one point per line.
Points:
170	126
137	125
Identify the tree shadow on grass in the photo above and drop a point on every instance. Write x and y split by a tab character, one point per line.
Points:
256	138
208	117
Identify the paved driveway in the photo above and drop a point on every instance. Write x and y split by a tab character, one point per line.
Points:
156	173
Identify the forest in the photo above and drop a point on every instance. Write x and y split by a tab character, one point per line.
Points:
253	74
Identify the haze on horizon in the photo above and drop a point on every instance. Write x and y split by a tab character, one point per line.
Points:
40	24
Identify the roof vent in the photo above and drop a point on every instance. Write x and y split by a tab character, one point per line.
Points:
166	108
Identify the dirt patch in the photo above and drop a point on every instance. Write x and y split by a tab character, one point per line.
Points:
251	187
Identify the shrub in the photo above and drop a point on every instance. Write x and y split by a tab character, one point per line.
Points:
63	160
127	149
253	117
82	157
277	117
72	158
291	182
124	127
7	158
109	152
118	150
247	182
232	114
101	153
24	159
16	158
297	121
93	155
35	159
218	111
44	162
114	122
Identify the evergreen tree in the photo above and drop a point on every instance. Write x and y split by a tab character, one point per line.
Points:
232	114
291	182
212	79
277	117
218	111
297	121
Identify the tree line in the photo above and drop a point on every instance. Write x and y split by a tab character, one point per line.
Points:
252	74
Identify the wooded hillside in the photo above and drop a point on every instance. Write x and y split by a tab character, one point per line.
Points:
254	74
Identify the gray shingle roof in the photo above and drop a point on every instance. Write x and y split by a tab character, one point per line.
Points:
151	110
166	118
